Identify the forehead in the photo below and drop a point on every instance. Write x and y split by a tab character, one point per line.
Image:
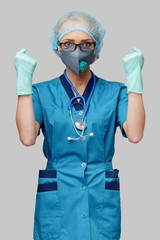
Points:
76	35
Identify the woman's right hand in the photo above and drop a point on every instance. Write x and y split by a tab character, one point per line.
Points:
27	126
25	67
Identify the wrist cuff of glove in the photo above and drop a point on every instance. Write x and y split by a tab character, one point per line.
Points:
135	83
134	90
23	90
23	93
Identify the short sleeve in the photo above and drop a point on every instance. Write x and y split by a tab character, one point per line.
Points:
37	106
122	107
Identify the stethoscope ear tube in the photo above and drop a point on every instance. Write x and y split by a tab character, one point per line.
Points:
80	123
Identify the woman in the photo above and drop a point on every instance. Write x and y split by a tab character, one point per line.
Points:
78	194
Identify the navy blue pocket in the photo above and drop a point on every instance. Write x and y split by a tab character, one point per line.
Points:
112	205
47	180
112	179
47	219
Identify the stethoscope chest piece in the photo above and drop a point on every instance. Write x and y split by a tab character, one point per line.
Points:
80	124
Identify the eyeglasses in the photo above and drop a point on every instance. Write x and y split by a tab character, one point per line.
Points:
68	46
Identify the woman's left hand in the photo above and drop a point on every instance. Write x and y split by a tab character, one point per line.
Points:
133	64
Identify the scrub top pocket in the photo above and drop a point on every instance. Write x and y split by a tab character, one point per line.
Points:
47	209
112	205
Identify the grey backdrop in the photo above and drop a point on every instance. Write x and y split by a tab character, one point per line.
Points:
27	24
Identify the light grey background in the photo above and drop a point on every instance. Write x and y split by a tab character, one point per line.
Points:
27	24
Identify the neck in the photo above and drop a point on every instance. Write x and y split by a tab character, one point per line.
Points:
79	81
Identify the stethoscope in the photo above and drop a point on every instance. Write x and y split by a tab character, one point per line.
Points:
80	123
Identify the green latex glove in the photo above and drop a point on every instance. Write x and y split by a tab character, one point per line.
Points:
133	64
24	66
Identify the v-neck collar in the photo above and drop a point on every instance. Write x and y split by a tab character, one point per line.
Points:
77	105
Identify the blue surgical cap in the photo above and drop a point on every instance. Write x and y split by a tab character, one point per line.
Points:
76	20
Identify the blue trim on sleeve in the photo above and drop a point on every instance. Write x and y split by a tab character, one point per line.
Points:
38	132
122	108
47	173
37	106
44	187
123	132
112	173
112	185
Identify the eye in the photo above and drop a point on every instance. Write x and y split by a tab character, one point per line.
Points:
67	44
86	44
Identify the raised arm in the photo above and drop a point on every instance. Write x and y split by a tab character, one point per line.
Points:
135	123
27	126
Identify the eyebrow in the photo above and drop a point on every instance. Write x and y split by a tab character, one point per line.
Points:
89	39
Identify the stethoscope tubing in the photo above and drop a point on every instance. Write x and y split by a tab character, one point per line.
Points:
79	96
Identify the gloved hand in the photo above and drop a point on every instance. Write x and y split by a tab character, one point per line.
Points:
133	64
24	66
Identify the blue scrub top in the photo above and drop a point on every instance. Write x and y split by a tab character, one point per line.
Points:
78	194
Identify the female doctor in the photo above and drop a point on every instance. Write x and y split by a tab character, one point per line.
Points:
78	194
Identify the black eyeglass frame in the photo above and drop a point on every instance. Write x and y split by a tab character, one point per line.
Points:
75	46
